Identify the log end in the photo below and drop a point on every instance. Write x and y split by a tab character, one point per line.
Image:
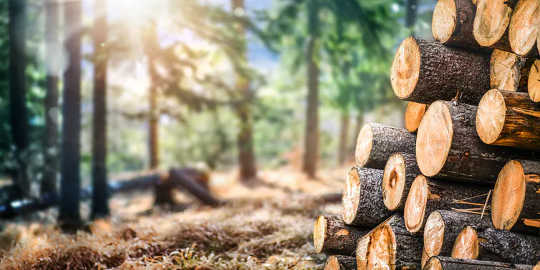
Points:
491	21
319	232
433	264
351	198
394	181
413	115
382	249
434	139
504	70
405	68
490	116
364	143
415	206
443	23
508	196
361	253
434	234
534	80
332	263
466	245
523	29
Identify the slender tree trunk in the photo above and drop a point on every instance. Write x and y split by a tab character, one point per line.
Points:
246	155
343	137
311	143
51	147
100	207
70	172
17	91
412	8
151	45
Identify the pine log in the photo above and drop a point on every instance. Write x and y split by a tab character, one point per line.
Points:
376	143
523	28
361	254
447	146
339	262
509	71
428	71
428	195
187	181
452	23
362	200
510	246
490	26
333	237
533	85
399	173
516	197
413	115
446	263
508	119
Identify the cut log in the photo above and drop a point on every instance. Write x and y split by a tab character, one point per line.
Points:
428	195
447	146
376	143
413	115
187	181
452	23
340	263
508	119
523	29
509	71
490	27
362	200
333	237
443	227
533	85
510	246
391	246
428	71
516	197
362	252
399	173
466	245
446	263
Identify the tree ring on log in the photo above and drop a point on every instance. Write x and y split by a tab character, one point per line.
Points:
415	206
332	263
434	139
382	249
413	115
444	20
508	196
319	233
490	116
364	143
394	181
523	29
434	234
467	245
491	21
434	264
351	198
534	80
405	68
504	70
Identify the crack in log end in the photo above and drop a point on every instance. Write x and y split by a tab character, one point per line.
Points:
490	116
508	196
415	206
351	198
523	29
491	21
434	234
413	115
364	143
444	20
319	233
394	181
405	69
382	249
533	85
467	245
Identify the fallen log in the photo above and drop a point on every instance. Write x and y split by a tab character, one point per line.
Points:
509	71
452	23
490	26
508	119
446	263
510	246
333	237
186	180
523	28
399	173
533	85
376	143
339	262
413	115
428	71
362	200
516	197
447	146
428	195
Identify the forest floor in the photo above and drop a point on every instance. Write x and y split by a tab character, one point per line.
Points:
267	227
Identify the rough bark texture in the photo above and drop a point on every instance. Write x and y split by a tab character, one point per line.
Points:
339	239
509	71
462	36
411	171
447	263
339	262
385	141
187	181
511	247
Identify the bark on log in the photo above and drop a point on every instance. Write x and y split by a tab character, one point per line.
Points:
533	85
340	263
428	195
523	29
362	200
447	146
333	237
399	173
413	115
509	71
508	119
446	263
516	197
428	71
490	26
186	181
510	246
452	23
376	143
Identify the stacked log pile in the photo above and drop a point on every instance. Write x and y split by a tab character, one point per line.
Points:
459	186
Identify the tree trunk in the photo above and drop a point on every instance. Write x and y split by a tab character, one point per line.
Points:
523	28
511	247
428	71
452	24
69	215
533	85
447	146
340	262
376	143
413	115
446	263
399	173
509	119
51	146
100	206
311	144
17	92
509	71
343	138
333	237
151	47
